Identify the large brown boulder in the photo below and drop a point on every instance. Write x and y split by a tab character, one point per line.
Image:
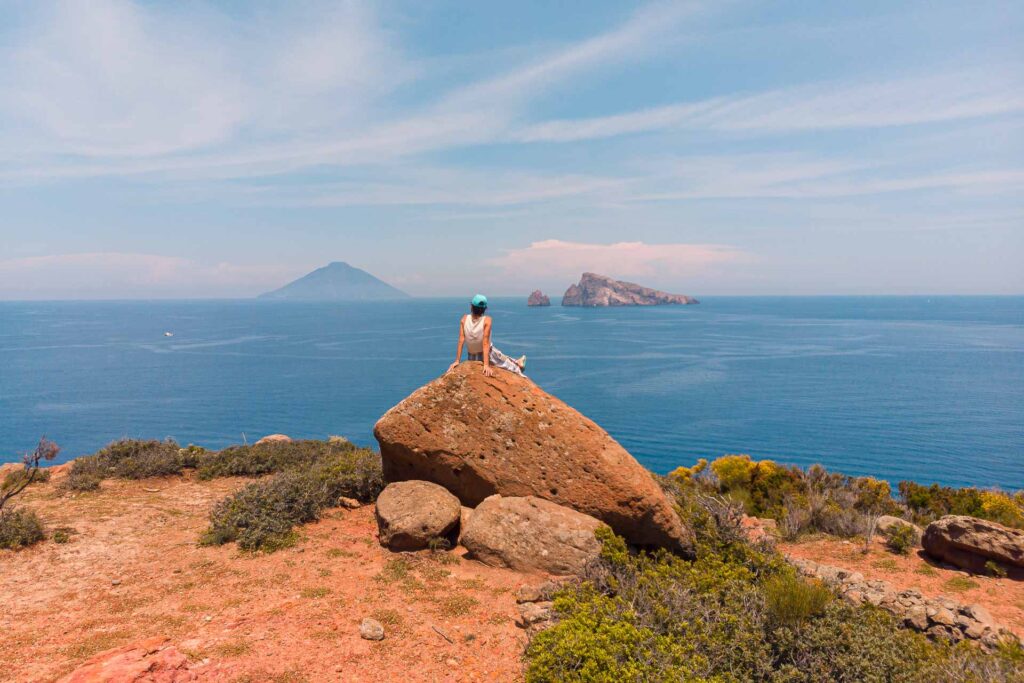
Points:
412	514
478	436
531	534
969	542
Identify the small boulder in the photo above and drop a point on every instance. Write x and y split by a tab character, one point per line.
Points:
969	542
531	534
532	613
411	514
284	438
887	524
371	629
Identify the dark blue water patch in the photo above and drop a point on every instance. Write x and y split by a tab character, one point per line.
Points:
924	388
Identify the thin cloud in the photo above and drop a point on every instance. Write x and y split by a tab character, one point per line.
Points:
905	101
550	258
113	274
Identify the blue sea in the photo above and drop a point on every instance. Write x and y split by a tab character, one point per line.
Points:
923	388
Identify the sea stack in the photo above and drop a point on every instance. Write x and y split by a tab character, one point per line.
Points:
601	290
538	298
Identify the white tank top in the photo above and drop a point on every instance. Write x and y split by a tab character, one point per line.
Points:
474	331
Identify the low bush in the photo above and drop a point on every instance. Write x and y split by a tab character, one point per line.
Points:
24	477
262	516
995	569
19	528
928	503
791	600
736	613
269	457
129	459
901	539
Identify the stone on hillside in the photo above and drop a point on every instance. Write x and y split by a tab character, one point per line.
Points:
270	438
969	542
531	534
411	514
371	629
887	524
478	436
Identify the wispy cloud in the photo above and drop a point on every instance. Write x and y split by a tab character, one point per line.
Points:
551	258
955	95
113	274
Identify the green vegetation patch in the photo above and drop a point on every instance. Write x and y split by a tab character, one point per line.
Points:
736	613
269	457
262	516
131	459
19	528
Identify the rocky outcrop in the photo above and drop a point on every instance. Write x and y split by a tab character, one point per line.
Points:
150	661
413	514
969	543
600	290
531	534
538	298
478	436
939	618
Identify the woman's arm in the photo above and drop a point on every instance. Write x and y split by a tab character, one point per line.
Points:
462	342
487	347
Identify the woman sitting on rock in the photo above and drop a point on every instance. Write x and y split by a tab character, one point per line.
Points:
475	335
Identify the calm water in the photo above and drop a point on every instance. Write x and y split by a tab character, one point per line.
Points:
930	389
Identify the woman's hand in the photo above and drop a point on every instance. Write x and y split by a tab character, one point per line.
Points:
488	371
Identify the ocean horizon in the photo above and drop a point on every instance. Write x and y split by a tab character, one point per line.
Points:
928	388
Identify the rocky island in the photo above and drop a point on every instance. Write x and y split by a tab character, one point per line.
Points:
538	298
601	290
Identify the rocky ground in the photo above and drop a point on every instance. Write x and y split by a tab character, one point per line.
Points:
1004	598
133	571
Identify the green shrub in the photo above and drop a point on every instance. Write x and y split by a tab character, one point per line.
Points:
995	569
928	503
262	515
18	477
901	539
269	457
19	528
82	479
63	534
127	459
791	600
848	643
734	614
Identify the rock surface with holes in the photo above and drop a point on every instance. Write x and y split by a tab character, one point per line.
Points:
531	534
412	515
478	436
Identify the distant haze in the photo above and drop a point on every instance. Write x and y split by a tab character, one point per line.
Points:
223	149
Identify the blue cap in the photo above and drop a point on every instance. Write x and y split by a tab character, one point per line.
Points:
480	301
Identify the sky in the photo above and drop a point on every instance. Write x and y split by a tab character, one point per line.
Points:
220	149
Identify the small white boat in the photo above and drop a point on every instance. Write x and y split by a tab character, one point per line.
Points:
168	334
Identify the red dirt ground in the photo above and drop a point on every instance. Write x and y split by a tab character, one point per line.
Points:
133	571
1004	598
